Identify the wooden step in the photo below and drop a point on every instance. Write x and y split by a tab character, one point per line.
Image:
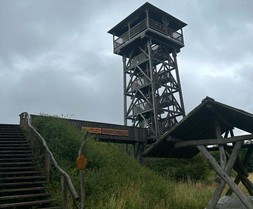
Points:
20	173
12	130
10	164
17	168
18	159
12	138
14	155
10	146
11	135
22	184
16	163
5	129
24	196
21	178
14	148
21	190
16	151
33	203
2	142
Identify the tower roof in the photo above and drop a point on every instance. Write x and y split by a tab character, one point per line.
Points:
154	13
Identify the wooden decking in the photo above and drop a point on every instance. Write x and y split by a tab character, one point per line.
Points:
232	202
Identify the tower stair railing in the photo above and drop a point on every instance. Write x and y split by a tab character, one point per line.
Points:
66	183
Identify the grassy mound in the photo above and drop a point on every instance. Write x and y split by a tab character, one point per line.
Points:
113	179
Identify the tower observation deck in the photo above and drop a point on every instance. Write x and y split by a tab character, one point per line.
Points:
148	41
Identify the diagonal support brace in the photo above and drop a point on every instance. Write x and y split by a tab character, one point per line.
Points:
226	178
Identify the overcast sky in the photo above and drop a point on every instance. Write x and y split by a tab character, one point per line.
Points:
56	56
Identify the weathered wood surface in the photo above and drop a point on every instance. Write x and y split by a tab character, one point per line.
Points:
242	173
225	177
107	131
227	170
232	202
212	141
49	157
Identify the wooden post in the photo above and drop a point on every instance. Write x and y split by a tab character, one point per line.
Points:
23	119
82	189
64	193
223	158
241	175
47	165
225	177
228	168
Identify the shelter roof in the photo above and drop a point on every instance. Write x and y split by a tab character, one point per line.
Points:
199	124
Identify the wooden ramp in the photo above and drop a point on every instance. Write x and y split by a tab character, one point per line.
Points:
232	202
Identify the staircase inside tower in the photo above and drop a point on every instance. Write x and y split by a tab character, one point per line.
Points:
148	41
153	89
21	184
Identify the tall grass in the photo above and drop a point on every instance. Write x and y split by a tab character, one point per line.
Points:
113	179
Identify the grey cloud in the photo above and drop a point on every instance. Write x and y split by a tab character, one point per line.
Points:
56	56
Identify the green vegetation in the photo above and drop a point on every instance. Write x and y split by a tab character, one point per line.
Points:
196	168
115	180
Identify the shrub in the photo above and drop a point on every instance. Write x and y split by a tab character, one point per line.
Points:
196	168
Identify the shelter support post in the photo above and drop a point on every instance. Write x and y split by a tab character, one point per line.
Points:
242	173
223	158
225	175
228	168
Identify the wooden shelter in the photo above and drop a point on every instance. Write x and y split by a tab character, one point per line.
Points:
211	126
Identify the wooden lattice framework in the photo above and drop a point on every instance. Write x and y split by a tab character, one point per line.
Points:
229	159
211	127
148	41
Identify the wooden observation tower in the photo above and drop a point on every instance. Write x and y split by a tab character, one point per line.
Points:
148	41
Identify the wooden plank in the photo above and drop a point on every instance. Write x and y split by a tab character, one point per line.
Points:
242	176
93	130
64	193
237	181
213	141
106	131
114	132
82	189
225	177
246	182
223	157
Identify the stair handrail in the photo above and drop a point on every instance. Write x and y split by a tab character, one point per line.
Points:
25	119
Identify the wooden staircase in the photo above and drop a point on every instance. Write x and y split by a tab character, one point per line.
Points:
21	185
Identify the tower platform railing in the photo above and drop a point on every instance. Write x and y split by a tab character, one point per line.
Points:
145	24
